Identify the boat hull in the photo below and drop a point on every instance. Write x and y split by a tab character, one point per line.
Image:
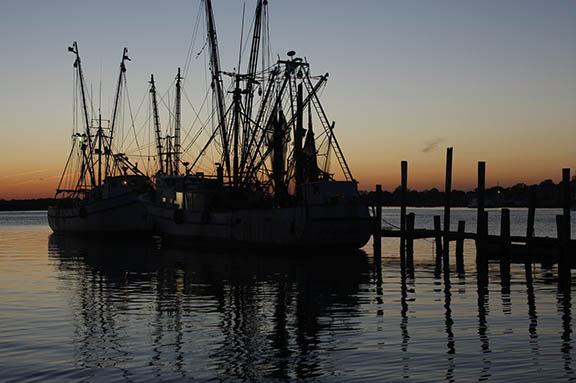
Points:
119	215
305	226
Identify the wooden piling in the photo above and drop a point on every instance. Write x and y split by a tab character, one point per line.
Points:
530	233
438	241
480	217
566	203
447	191
563	229
564	272
505	227
480	195
481	257
531	212
410	221
460	248
378	218
403	188
505	237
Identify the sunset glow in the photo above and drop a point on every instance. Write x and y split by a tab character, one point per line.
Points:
494	80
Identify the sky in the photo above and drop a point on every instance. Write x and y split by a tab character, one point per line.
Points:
494	79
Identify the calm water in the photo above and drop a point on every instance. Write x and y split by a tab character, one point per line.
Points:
82	310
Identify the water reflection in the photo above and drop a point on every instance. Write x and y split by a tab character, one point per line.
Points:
244	315
156	314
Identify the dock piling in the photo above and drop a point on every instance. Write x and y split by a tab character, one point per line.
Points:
460	248
531	212
566	202
505	237
530	231
403	188
438	241
378	218
448	189
563	229
410	222
564	272
480	194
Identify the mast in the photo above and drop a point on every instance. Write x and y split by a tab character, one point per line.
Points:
177	127
87	156
309	153
251	74
329	129
156	123
298	137
108	150
99	136
236	130
217	83
278	123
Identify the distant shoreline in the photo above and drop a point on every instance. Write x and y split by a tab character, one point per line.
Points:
26	204
43	203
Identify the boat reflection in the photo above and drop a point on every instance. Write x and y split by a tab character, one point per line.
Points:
245	315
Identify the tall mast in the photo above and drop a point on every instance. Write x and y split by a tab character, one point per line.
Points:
87	156
99	137
177	125
298	136
217	83
236	130
108	150
156	123
251	74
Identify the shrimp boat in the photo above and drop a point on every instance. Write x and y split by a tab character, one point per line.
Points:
99	190
271	185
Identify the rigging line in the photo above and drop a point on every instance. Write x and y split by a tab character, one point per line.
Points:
131	115
214	134
241	37
168	107
193	43
144	98
197	113
65	168
195	138
248	38
203	124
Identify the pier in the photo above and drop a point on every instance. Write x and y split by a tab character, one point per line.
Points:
503	247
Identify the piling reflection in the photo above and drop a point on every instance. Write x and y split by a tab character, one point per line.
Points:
532	315
258	316
483	310
565	305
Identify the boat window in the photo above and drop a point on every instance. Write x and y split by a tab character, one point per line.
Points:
179	199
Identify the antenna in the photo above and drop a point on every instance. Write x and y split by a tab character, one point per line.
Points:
100	89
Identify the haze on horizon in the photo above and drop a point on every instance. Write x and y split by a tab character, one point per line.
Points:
495	80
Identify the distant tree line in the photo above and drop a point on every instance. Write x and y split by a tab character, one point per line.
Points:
26	204
547	194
